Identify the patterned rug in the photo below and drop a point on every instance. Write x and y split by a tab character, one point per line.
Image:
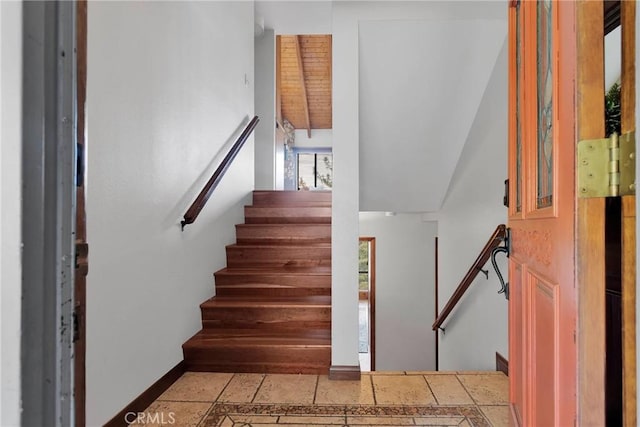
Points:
264	415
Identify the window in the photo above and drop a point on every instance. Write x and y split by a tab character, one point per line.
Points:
363	265
314	170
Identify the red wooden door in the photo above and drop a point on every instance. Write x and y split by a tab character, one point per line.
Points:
542	213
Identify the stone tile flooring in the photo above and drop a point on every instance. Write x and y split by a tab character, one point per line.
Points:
200	399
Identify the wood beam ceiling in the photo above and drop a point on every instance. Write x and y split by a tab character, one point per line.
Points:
303	87
303	82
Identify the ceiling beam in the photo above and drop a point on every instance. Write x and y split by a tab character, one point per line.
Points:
278	80
303	86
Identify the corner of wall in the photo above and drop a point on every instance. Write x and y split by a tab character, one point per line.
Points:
344	234
473	208
10	210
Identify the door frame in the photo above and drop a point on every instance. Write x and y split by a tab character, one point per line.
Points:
82	250
372	298
48	212
590	262
591	270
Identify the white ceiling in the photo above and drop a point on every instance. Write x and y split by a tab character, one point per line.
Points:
295	17
421	83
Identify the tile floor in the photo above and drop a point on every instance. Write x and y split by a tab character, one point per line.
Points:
378	399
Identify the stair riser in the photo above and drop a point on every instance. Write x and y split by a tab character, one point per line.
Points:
281	242
255	324
315	337
288	220
266	256
283	234
258	368
287	215
284	291
267	315
293	280
297	198
313	356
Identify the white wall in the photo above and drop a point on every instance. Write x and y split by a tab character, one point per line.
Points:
10	207
410	83
612	57
346	19
265	101
405	285
296	17
472	209
320	138
344	216
168	85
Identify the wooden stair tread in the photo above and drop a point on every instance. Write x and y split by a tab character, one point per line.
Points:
279	247
279	339
299	226
268	301
320	270
291	333
258	285
288	198
292	211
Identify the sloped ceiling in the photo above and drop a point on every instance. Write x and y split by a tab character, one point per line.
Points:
305	81
421	83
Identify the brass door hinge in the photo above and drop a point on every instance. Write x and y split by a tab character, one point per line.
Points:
607	167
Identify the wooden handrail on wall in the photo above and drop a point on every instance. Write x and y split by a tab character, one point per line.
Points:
197	205
495	240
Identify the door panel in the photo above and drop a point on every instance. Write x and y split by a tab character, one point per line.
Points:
516	341
591	221
544	321
542	304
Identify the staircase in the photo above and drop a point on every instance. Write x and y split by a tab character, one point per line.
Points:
272	309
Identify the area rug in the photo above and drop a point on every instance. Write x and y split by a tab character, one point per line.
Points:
265	415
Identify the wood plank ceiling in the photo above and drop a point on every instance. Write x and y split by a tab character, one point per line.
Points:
303	81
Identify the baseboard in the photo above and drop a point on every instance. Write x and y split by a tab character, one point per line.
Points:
351	373
502	364
147	397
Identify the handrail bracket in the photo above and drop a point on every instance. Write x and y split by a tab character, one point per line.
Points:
506	249
485	272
